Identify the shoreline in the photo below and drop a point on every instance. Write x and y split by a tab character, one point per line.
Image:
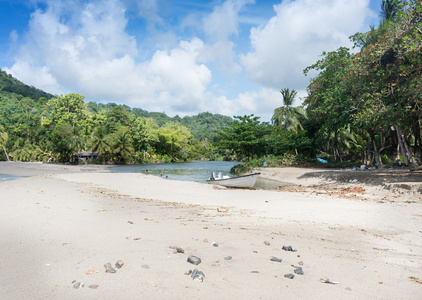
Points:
64	224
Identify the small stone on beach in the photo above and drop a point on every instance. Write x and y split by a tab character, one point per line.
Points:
298	270
290	276
194	260
179	250
228	257
214	244
109	268
273	258
198	275
267	243
94	286
119	264
289	248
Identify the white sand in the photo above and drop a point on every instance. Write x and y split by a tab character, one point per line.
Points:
57	225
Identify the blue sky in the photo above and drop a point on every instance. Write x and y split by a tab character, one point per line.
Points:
179	57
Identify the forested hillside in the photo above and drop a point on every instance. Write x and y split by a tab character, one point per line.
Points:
9	84
37	126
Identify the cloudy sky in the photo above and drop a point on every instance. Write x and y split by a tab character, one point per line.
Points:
179	57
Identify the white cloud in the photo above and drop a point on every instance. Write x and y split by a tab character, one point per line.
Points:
80	47
219	26
297	35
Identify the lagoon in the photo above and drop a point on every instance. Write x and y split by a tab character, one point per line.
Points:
197	171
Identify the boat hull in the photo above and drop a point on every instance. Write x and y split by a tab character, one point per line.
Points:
244	181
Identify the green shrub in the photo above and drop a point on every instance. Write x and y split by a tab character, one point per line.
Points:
385	160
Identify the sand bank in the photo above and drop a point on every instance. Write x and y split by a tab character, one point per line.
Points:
63	225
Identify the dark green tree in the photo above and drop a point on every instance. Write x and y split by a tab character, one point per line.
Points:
245	137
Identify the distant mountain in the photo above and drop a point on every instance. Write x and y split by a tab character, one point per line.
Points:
9	84
202	126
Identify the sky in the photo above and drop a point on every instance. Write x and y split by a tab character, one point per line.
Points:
179	57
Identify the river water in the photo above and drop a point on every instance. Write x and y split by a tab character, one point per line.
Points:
4	177
198	171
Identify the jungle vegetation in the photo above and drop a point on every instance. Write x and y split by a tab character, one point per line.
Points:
363	106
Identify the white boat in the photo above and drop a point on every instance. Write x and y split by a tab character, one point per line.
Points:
244	181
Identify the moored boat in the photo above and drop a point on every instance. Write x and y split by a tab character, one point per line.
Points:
243	181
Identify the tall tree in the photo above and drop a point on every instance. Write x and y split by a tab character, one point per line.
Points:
245	136
389	10
3	140
287	116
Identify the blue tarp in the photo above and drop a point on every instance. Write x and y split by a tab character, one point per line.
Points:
322	160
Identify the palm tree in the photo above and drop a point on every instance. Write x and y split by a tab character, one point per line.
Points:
100	142
288	117
77	143
3	139
339	141
122	144
388	10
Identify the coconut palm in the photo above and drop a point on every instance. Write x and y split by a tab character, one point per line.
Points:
286	116
3	139
339	141
77	143
99	142
388	10
122	144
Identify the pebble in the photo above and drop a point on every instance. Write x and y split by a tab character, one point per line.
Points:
255	272
267	243
276	259
300	263
76	285
298	270
214	244
228	257
326	280
194	260
179	250
119	264
109	268
290	276
289	248
197	275
94	286
145	266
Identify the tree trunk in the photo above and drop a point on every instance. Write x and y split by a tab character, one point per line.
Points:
406	162
376	153
406	148
7	156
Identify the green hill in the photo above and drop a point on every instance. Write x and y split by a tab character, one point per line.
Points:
9	84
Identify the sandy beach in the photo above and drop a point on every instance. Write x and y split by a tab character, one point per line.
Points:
59	225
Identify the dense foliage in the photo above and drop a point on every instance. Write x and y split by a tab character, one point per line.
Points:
362	106
372	99
37	126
